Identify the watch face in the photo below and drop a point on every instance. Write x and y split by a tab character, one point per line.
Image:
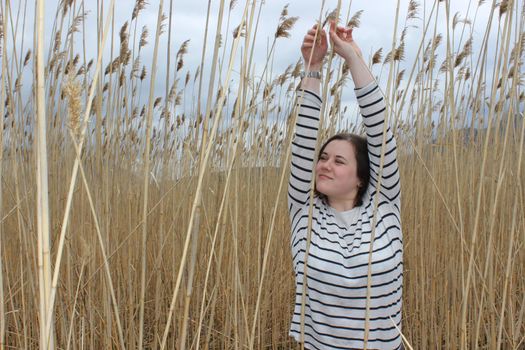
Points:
316	75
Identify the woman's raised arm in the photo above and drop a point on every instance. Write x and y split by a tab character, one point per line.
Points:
373	109
307	123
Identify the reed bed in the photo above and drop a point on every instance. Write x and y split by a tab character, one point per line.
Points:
167	219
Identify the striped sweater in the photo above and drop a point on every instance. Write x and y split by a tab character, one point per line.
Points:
337	270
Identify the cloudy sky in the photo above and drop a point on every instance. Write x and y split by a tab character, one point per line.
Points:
377	23
189	19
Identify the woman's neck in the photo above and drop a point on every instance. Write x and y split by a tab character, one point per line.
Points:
342	204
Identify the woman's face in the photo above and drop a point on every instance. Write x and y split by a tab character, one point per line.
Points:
336	171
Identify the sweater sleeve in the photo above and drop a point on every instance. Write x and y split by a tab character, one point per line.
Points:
373	107
303	149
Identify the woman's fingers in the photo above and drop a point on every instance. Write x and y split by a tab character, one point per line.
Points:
349	33
307	45
333	34
333	29
332	26
314	30
344	33
314	45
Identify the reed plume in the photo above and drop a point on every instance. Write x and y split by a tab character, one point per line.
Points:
66	5
355	21
283	30
27	58
143	37
139	6
413	8
75	26
466	51
503	7
73	95
376	58
330	16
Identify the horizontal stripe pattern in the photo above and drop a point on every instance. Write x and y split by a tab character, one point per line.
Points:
337	267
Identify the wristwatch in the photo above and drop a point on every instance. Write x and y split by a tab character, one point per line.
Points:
311	74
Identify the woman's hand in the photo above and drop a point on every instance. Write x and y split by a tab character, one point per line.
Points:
345	46
343	43
318	45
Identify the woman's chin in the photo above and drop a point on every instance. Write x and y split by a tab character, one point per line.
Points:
322	190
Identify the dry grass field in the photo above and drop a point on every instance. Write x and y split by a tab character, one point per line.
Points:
139	217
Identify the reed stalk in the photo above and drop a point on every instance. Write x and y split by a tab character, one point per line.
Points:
196	227
44	239
198	193
322	112
2	113
73	181
478	207
147	151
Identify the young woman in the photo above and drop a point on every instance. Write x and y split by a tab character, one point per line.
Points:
346	183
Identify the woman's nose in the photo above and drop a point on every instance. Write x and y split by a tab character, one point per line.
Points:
326	164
